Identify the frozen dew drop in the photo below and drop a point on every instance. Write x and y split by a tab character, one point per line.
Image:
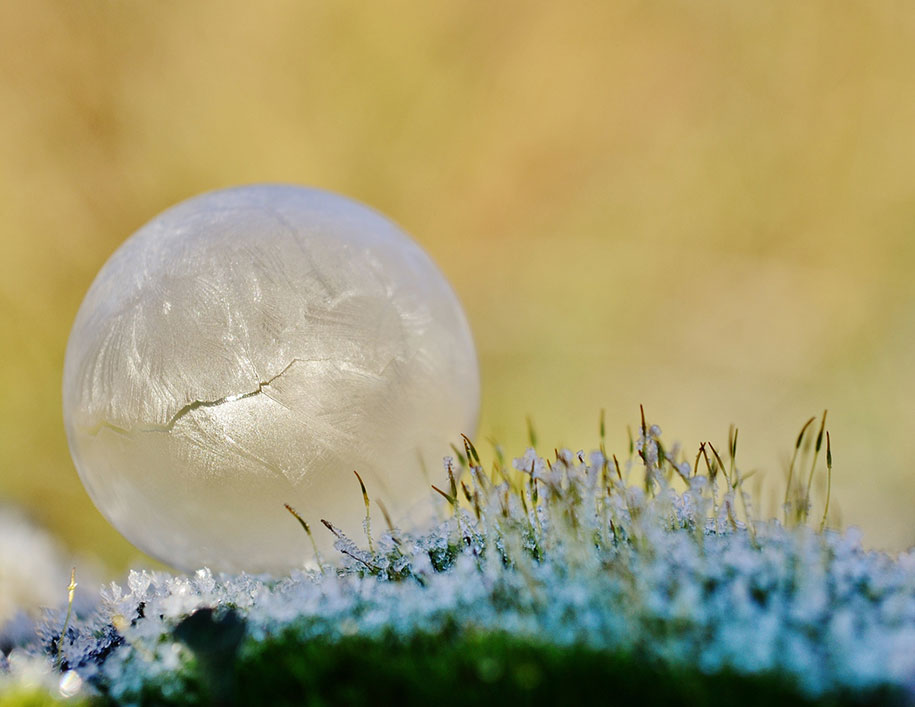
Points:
70	684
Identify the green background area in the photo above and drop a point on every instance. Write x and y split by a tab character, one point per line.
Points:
706	207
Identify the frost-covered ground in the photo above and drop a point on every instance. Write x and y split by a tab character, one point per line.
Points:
651	562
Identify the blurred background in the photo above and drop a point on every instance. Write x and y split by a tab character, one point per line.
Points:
705	207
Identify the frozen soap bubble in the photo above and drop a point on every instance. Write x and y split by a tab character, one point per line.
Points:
252	347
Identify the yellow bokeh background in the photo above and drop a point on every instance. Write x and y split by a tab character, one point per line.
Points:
707	207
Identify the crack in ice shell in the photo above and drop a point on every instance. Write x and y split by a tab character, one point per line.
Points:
198	404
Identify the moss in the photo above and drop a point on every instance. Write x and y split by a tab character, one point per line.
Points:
461	667
566	580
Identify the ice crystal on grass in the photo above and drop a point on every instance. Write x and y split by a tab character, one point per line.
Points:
653	558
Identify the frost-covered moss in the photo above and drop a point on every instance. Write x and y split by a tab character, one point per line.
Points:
571	576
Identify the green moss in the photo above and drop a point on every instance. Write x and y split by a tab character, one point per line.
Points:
461	667
561	582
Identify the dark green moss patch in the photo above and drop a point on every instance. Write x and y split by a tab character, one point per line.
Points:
459	667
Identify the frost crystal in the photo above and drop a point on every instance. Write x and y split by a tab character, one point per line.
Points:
649	559
682	577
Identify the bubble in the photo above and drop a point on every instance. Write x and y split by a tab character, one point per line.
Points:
251	347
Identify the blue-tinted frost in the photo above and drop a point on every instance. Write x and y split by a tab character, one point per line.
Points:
667	567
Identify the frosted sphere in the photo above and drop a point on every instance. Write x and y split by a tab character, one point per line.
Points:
252	347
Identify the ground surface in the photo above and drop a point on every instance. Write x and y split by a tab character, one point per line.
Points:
550	579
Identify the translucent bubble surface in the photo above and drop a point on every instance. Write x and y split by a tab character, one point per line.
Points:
252	347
